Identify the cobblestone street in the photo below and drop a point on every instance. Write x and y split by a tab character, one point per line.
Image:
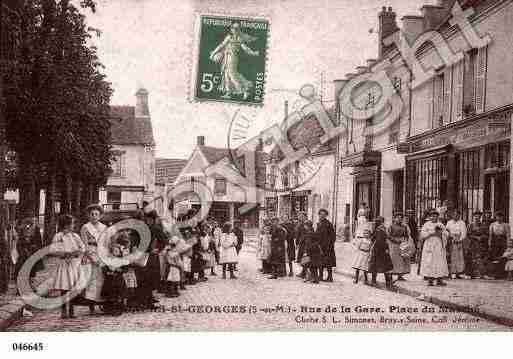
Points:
253	290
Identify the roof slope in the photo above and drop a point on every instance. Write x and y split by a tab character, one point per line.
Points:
213	154
126	129
168	169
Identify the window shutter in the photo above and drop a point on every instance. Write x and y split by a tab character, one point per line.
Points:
447	88
437	101
480	88
457	93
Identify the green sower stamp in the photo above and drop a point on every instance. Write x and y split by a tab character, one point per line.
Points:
231	63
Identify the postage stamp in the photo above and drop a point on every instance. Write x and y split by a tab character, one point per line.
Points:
231	63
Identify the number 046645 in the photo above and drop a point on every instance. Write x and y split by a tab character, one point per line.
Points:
27	347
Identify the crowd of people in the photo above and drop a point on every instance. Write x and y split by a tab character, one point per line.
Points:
283	242
129	279
444	247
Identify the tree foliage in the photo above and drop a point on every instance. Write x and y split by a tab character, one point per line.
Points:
56	95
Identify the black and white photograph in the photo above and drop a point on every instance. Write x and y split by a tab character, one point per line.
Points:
254	166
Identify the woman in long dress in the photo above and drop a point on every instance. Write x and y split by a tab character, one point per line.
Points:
69	249
477	249
264	246
380	261
498	243
362	244
91	263
227	54
457	237
433	265
398	234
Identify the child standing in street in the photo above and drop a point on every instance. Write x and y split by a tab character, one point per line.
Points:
175	268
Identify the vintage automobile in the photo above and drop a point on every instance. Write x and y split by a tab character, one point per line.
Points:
115	212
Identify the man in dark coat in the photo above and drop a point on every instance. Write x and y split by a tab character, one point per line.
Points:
151	273
380	261
300	242
240	237
291	248
278	239
326	234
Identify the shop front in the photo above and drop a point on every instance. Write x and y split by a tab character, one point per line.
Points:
462	166
366	181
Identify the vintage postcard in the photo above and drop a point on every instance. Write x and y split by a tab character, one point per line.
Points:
255	166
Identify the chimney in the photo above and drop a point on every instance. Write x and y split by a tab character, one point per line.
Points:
413	26
337	86
141	104
200	140
386	27
433	16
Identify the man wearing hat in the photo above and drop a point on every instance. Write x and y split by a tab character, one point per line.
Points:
327	237
300	243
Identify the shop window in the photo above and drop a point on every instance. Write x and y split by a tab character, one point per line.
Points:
220	186
470	195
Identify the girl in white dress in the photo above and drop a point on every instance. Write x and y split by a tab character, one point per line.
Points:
91	263
228	254
433	263
458	237
362	244
69	249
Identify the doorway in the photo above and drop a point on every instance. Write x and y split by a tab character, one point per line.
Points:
496	196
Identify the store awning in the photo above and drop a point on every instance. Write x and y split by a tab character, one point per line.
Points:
361	159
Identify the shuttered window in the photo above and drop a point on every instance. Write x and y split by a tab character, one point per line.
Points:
438	101
480	87
457	92
447	93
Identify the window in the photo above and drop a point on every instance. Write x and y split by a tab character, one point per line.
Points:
220	186
117	165
438	100
469	82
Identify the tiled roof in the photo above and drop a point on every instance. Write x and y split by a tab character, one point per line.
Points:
168	169
127	129
213	154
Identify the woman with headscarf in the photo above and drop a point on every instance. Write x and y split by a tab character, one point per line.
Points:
91	263
362	244
433	265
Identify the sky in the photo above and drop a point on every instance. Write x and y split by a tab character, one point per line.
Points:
149	43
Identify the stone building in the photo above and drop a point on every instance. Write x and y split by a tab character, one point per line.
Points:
133	168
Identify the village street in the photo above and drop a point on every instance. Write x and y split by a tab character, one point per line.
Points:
253	302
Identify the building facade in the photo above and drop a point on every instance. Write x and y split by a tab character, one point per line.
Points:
226	196
133	147
451	144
